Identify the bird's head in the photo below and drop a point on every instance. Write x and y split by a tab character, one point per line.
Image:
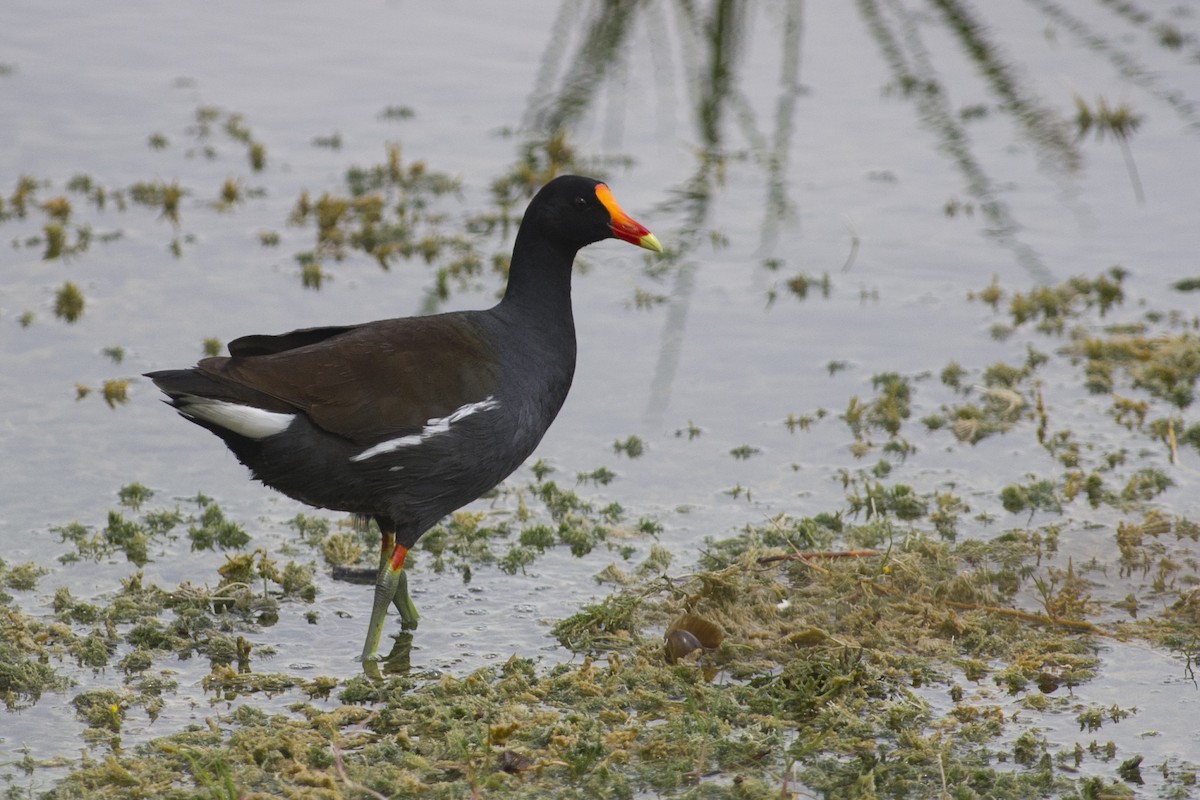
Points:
578	211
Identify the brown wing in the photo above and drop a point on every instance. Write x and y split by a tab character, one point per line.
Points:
372	381
264	344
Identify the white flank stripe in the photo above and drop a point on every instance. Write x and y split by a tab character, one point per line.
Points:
251	422
432	428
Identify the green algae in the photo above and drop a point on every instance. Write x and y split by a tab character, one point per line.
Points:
823	676
20	577
68	302
391	213
631	446
213	530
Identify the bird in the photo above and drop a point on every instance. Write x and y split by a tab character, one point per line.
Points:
406	420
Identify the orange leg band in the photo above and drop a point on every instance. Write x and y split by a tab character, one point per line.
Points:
398	555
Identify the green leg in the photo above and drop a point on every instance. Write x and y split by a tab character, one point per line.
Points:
391	588
385	590
404	604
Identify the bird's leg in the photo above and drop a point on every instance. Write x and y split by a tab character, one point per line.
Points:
401	599
385	589
403	603
387	541
386	584
391	588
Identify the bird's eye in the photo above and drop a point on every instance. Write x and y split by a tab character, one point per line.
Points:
581	203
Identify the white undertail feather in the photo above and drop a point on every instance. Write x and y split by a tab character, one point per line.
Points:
432	428
251	422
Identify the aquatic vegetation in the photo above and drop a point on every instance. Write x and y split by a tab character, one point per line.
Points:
332	142
213	530
1117	121
68	302
65	233
55	241
21	197
1051	306
115	391
388	214
632	446
745	451
799	666
1167	366
231	194
643	299
885	413
23	679
161	195
800	284
601	476
397	112
258	156
57	209
21	577
134	495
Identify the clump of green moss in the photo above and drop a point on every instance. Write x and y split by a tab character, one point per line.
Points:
213	530
23	676
1050	307
1166	365
822	674
388	214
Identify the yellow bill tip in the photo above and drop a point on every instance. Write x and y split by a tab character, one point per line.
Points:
650	242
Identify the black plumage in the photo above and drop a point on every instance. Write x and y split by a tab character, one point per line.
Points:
406	420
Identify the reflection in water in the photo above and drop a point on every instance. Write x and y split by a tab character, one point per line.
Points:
398	661
1126	64
1046	130
710	44
777	206
600	54
590	48
909	62
715	41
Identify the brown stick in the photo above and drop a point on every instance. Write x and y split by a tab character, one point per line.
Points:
823	554
1024	616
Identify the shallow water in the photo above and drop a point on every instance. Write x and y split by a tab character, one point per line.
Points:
816	157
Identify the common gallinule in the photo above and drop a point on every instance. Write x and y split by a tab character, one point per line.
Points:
405	420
